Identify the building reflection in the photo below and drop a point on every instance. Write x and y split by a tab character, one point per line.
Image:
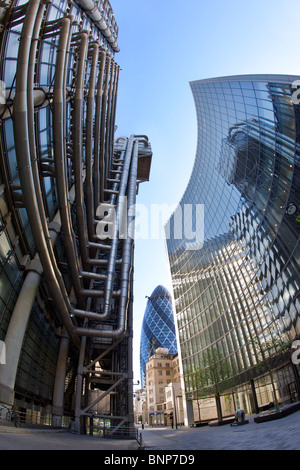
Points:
239	294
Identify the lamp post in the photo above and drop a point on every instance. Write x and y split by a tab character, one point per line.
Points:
174	402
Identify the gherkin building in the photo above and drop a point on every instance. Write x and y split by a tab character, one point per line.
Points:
158	329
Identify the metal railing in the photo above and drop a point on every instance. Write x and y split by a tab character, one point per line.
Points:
29	419
111	432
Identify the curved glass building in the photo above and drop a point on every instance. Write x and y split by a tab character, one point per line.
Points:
158	328
237	292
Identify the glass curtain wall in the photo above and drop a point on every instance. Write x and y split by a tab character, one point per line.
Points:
238	295
38	359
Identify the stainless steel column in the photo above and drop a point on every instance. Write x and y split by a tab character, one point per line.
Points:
59	384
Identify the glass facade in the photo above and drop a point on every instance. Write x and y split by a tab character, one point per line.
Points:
158	328
238	293
62	174
45	26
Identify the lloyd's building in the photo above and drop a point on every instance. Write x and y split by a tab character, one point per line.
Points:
66	263
236	288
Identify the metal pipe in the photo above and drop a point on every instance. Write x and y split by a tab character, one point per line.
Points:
111	119
119	212
117	180
103	136
91	275
127	254
77	132
125	269
108	125
80	382
59	383
31	134
20	121
114	191
128	181
99	246
94	14
96	293
111	151
39	99
59	101
102	262
89	146
21	313
96	175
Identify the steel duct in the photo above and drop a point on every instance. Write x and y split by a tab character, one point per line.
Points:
94	14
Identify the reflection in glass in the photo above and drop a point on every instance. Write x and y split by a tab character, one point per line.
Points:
238	285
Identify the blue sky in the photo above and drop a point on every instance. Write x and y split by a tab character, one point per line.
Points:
165	44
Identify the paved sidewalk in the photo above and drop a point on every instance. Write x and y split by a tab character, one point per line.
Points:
281	434
37	439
